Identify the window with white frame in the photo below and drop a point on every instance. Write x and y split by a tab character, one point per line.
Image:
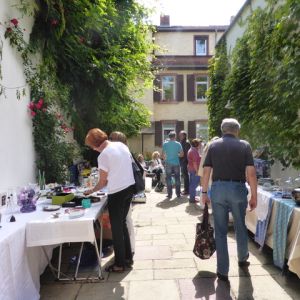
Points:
201	84
202	130
200	46
167	127
168	88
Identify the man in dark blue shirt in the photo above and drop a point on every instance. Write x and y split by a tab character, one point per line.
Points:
231	161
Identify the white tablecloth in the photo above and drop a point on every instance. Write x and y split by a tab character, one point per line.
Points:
46	230
293	236
20	265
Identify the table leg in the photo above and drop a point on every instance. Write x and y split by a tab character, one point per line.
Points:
52	268
78	261
59	262
99	253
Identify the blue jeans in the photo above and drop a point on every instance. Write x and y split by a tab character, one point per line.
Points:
229	196
194	182
173	170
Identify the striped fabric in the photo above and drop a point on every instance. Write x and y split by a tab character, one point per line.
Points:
284	209
262	225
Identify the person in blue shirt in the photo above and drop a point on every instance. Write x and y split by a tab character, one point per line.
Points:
172	151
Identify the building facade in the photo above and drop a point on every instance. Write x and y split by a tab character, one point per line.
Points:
178	98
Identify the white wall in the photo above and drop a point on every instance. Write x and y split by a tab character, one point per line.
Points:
239	26
17	156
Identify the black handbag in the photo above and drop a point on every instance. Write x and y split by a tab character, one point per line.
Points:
138	174
205	244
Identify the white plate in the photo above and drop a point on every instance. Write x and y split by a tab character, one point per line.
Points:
51	207
76	213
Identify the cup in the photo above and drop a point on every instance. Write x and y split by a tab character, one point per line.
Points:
86	203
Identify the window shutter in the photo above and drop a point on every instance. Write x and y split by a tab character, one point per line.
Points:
179	127
157	85
191	129
158	133
179	88
191	87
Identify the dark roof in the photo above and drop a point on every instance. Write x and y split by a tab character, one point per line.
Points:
191	28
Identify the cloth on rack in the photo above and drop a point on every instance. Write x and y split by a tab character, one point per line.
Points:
284	209
294	261
262	208
262	225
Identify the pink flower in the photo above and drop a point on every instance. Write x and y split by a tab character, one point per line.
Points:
54	22
8	30
33	113
81	39
31	106
40	103
44	109
15	22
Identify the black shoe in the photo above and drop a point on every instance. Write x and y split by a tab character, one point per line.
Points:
185	193
223	277
244	264
129	263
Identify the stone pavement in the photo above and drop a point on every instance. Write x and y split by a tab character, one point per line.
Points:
166	269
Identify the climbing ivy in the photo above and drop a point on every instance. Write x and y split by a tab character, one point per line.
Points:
263	84
218	69
91	60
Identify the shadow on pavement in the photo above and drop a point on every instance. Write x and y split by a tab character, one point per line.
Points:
168	203
194	209
206	285
245	285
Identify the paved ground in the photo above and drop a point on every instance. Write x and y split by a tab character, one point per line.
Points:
166	269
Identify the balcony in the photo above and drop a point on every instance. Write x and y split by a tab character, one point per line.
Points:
182	62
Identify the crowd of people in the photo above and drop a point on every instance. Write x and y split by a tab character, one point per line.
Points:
221	167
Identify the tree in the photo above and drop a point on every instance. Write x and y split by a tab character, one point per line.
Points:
263	84
102	51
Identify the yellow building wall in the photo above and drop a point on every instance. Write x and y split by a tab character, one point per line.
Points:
135	145
182	43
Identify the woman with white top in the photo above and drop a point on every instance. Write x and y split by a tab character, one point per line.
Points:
115	172
156	165
118	136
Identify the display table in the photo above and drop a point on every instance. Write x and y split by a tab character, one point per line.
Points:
23	260
293	231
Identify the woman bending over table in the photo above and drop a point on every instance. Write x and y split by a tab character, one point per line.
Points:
115	172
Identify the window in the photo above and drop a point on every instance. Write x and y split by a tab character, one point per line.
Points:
166	129
201	87
168	88
202	130
201	46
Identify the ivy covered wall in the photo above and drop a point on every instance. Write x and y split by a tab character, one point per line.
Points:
262	85
93	62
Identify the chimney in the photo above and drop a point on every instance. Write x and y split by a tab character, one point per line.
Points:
164	20
231	19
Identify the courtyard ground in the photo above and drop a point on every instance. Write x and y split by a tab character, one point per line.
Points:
165	267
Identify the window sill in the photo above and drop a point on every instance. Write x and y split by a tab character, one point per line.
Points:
204	101
168	102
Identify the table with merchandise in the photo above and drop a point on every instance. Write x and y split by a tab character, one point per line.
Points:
26	245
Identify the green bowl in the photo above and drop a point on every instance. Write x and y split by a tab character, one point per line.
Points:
62	198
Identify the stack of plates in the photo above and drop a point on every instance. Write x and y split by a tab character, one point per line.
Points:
51	207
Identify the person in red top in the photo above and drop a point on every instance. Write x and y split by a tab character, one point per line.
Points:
194	159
